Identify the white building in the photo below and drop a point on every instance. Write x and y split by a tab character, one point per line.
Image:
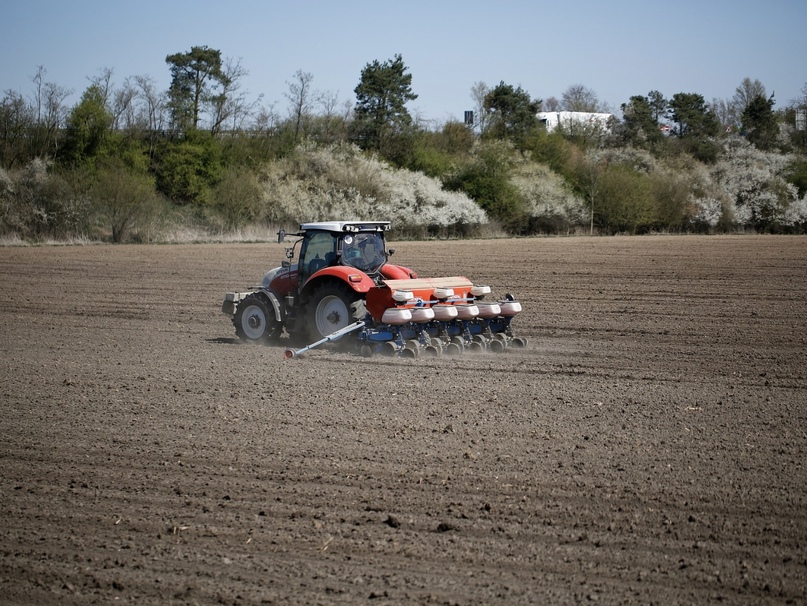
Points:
571	119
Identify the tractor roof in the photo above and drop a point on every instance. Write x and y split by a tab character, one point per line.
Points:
346	226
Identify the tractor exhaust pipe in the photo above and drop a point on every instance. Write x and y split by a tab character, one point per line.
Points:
290	354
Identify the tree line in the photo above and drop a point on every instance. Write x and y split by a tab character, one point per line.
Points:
127	156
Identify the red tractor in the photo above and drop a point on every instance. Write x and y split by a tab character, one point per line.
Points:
343	282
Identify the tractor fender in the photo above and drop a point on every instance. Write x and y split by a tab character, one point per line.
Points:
355	279
275	303
397	272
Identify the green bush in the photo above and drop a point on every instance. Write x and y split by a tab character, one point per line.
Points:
237	198
429	160
188	169
125	200
625	202
552	150
670	194
486	179
796	173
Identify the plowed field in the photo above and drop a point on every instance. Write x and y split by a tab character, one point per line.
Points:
649	446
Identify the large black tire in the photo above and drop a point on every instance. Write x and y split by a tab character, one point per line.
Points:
331	307
255	320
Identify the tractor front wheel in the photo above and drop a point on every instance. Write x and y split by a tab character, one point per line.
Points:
331	307
255	320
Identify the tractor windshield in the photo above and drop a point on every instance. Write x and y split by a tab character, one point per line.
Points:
364	251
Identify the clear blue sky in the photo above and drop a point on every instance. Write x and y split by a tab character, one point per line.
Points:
618	48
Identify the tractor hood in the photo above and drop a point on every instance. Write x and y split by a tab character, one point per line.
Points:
274	273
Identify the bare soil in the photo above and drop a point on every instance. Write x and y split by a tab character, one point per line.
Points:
647	447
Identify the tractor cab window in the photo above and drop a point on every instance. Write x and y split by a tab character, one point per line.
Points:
318	251
364	251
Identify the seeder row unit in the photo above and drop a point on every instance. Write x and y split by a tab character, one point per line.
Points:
432	316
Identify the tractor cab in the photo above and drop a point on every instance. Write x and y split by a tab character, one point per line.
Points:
328	244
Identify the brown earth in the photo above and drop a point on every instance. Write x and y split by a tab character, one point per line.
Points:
647	447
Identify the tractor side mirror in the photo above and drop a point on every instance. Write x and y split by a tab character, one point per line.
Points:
281	236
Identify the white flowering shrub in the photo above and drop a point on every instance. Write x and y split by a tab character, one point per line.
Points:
707	204
340	182
746	187
708	211
638	159
37	204
752	181
548	198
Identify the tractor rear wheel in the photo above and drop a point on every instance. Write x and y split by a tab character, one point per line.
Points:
331	307
255	320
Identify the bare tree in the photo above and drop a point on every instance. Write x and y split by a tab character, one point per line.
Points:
800	105
746	92
329	102
151	111
300	96
16	122
104	83
726	112
578	98
51	114
154	101
266	119
552	104
230	105
39	82
122	107
479	92
589	174
54	109
119	102
334	117
242	110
